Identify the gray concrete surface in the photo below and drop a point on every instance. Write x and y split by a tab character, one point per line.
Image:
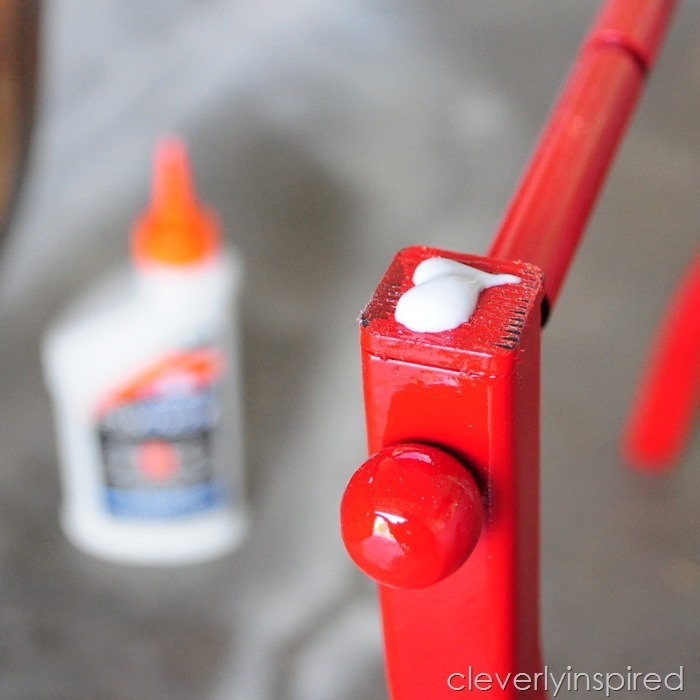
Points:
328	135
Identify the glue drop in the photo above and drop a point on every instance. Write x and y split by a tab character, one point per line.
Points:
143	372
445	295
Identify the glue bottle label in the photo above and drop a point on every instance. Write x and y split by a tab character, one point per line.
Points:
156	436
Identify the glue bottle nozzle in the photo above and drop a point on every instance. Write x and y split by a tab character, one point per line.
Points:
175	229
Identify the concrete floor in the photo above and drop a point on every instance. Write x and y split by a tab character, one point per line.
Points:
328	135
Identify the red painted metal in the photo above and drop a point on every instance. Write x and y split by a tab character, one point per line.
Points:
474	393
549	210
394	532
662	414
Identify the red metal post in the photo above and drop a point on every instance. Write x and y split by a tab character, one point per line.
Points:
474	393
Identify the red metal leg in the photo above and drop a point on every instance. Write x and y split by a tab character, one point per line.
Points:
474	393
662	414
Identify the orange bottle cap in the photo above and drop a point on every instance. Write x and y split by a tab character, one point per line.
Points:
175	229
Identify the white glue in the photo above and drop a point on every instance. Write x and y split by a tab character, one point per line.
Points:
143	374
445	295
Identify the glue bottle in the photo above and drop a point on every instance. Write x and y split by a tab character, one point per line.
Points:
144	378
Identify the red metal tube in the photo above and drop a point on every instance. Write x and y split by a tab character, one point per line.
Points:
548	212
662	415
473	392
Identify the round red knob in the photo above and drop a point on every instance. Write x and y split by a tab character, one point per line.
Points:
410	515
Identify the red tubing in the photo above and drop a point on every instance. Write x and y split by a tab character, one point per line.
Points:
662	414
548	212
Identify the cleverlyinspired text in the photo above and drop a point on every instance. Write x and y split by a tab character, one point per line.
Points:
553	683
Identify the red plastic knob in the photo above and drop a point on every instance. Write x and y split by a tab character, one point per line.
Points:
410	516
